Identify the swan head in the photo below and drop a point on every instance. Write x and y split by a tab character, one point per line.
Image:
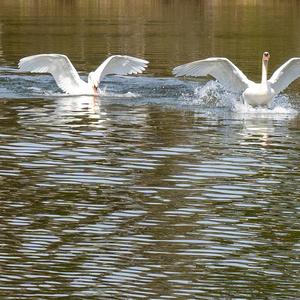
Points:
266	56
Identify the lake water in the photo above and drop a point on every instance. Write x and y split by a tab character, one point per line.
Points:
162	188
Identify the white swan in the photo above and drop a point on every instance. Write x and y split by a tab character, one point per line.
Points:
234	80
67	77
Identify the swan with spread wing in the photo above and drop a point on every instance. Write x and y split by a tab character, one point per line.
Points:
67	78
234	80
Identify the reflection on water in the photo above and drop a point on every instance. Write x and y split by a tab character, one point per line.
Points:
1	52
167	33
159	188
107	200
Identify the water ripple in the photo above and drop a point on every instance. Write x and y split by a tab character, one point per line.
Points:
133	200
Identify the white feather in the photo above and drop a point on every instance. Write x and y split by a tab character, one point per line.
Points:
233	79
285	75
67	77
119	65
59	66
230	76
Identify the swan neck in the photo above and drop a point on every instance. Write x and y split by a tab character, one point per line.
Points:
264	71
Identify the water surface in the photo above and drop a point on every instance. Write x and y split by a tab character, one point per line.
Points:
161	188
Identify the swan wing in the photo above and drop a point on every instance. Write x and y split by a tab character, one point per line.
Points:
285	74
58	65
119	65
229	75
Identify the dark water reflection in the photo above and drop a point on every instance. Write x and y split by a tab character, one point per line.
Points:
157	190
118	203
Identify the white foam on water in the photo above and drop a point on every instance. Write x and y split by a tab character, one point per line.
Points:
105	93
212	95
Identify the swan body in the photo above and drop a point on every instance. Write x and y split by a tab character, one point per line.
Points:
258	94
234	80
67	78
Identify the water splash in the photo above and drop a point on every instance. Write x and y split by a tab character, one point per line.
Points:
207	98
212	96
